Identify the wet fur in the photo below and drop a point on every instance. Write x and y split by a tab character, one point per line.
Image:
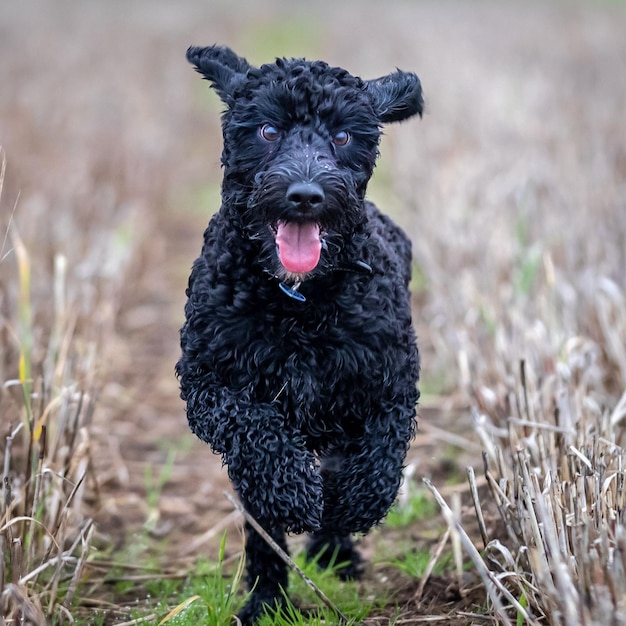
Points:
310	403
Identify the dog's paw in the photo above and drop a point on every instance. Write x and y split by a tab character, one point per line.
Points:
258	605
303	516
335	552
297	504
288	494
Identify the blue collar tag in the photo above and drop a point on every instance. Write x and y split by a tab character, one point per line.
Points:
292	292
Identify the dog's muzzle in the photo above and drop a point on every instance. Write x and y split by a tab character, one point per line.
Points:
299	243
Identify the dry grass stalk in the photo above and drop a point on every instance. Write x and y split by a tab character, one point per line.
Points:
47	397
494	585
436	555
558	480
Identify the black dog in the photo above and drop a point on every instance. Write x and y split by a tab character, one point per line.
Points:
299	363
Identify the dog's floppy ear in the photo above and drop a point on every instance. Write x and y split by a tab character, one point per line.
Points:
396	96
221	66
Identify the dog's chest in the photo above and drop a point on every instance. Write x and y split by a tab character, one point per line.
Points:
316	379
316	367
306	363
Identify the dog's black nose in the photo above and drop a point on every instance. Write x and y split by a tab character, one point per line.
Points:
304	194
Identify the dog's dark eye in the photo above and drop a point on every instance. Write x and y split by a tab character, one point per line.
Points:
269	132
341	138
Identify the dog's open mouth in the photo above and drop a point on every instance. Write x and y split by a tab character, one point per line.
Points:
299	245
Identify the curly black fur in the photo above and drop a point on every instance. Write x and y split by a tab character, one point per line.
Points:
303	380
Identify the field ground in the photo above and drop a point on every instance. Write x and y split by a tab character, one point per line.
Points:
512	187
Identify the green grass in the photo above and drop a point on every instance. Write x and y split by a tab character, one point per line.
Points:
420	506
154	486
211	596
346	595
215	592
211	601
415	563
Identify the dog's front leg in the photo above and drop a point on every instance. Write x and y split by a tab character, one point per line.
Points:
267	574
276	477
363	481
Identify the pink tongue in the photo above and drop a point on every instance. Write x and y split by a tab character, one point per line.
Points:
299	246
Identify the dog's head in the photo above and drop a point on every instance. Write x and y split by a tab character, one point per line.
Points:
300	144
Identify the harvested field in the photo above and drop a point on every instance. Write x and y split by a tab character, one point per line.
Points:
513	190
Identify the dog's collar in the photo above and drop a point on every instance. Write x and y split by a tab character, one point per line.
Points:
356	267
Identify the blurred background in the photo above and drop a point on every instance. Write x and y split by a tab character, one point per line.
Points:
512	188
